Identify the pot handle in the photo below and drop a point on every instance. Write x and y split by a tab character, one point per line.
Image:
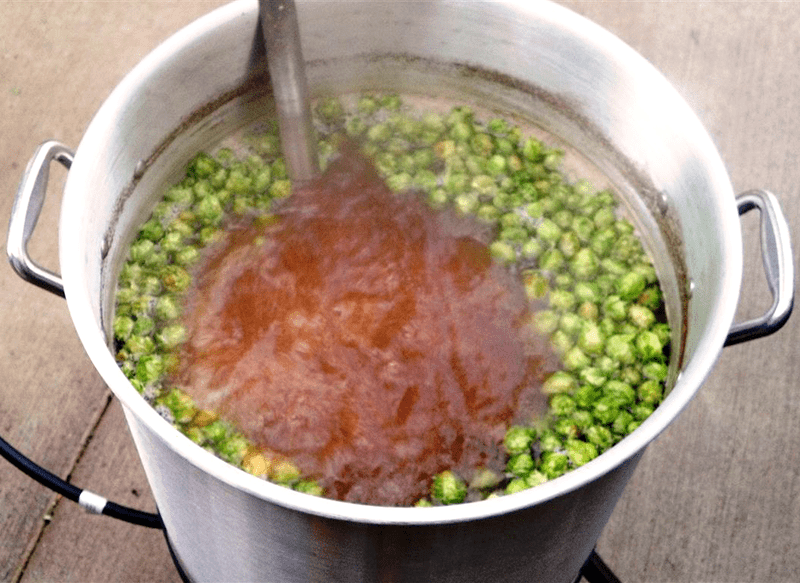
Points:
776	253
25	213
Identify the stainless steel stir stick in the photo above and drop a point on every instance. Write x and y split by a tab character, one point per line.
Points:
289	86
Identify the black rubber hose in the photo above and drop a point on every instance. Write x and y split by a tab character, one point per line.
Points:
72	492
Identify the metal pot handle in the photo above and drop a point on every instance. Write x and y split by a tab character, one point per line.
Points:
24	215
776	252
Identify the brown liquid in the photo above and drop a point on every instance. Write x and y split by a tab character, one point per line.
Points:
365	336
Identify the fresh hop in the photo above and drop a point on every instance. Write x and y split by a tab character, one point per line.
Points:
567	242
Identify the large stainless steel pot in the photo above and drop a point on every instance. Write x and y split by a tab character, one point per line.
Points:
536	59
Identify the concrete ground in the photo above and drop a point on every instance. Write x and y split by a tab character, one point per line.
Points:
716	498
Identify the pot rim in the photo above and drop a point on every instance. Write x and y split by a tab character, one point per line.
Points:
89	328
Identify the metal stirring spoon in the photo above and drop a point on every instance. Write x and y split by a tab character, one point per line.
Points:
289	86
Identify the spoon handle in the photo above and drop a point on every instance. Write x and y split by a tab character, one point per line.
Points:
290	88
